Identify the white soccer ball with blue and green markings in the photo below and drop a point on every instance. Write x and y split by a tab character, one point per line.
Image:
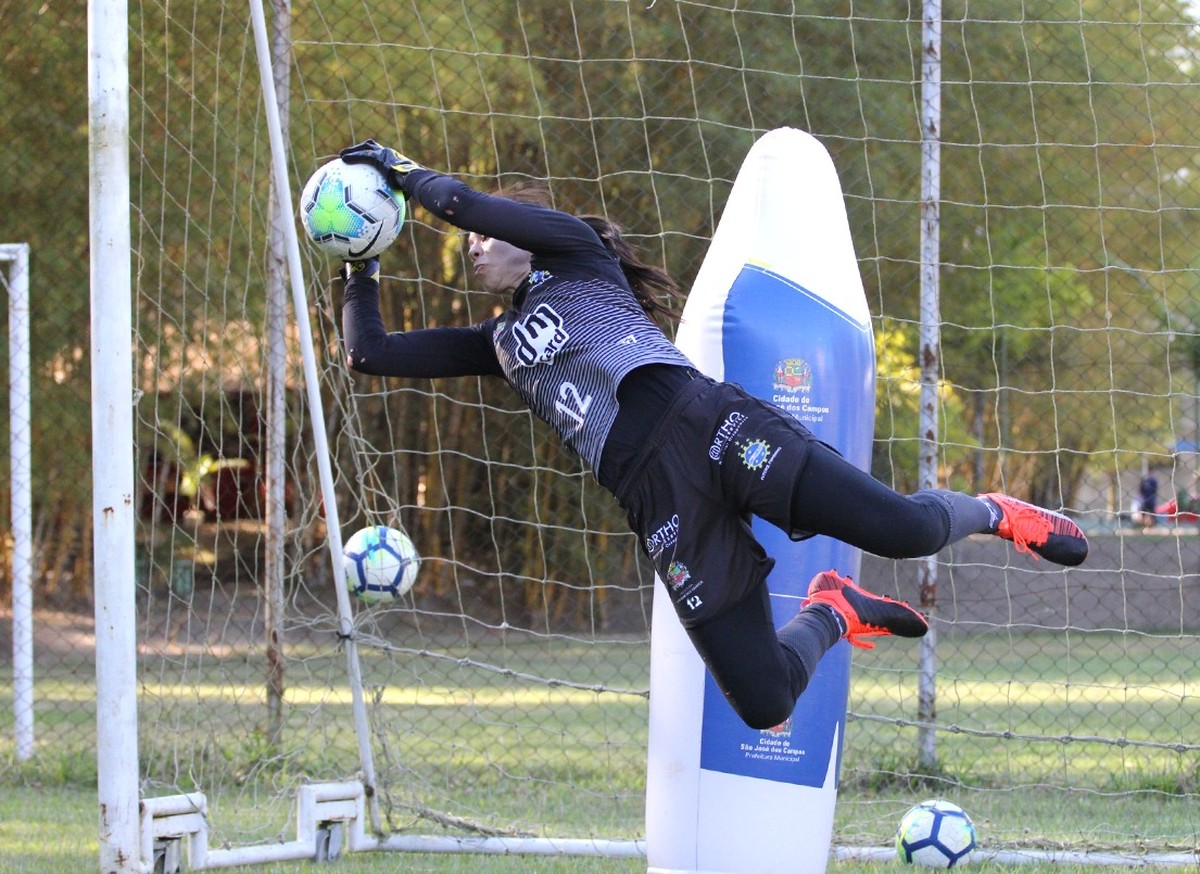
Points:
350	212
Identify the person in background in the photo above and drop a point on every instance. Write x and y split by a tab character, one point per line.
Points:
1147	500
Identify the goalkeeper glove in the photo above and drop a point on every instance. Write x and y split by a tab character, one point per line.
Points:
368	267
394	166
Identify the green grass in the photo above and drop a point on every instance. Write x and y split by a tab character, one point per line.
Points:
454	740
53	831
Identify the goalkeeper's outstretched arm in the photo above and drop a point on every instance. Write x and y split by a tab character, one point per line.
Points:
426	352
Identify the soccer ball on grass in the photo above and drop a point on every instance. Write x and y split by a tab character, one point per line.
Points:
349	210
381	564
936	834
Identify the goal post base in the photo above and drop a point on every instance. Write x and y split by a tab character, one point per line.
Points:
330	819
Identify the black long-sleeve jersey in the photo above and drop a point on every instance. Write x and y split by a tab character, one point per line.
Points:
573	332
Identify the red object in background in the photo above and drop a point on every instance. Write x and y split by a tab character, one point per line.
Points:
1170	512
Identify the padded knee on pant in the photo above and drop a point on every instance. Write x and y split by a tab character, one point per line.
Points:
923	530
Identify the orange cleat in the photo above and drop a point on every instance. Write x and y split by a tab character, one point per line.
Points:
1041	532
862	613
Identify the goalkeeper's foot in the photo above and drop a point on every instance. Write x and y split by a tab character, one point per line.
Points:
1040	532
861	613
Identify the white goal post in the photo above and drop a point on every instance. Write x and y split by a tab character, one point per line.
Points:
124	835
14	257
112	399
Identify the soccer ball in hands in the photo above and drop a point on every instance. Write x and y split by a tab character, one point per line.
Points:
936	834
349	210
381	564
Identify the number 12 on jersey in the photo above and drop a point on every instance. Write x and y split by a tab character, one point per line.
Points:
572	404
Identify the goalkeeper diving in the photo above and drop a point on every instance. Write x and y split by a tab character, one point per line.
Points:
579	343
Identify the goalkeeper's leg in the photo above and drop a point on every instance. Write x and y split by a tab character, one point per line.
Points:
762	672
835	498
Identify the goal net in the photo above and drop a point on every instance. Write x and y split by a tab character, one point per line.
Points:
507	694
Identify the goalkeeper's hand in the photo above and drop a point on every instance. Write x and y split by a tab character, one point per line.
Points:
394	166
367	267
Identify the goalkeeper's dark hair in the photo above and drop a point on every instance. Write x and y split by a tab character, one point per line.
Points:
650	284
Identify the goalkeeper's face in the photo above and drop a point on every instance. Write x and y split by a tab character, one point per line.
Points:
499	266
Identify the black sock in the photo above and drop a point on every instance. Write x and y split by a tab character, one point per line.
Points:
810	634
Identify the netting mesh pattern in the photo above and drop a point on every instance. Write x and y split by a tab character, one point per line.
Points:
507	693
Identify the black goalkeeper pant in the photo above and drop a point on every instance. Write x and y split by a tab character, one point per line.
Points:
719	456
762	672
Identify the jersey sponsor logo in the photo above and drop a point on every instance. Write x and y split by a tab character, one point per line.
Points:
667	535
723	439
677	575
627	341
539	335
677	578
757	455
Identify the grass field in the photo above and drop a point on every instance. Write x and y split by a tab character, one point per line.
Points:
53	831
1075	771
